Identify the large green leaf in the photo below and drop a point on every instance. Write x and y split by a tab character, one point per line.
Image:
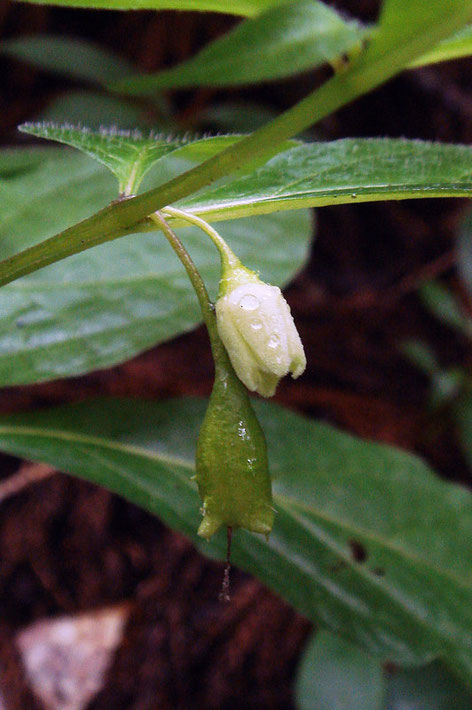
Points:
245	8
349	170
367	540
335	675
14	162
105	305
67	56
283	41
429	688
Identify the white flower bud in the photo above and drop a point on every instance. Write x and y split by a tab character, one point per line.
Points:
257	329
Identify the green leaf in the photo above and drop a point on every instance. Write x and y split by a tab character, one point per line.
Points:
66	56
443	304
283	41
245	8
344	171
455	47
368	542
128	154
62	186
14	162
335	675
106	305
429	688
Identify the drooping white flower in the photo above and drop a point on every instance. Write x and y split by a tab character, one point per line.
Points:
257	329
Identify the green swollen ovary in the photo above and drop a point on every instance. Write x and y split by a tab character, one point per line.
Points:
232	469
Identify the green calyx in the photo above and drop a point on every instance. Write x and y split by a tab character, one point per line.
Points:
234	274
231	462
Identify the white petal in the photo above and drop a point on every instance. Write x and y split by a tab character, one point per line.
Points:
240	355
295	346
258	316
257	329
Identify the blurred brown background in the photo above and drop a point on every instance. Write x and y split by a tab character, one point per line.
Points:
68	547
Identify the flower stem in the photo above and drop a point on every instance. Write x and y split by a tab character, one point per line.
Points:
196	280
228	258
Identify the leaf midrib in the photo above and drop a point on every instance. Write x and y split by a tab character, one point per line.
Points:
88	439
352	529
275	196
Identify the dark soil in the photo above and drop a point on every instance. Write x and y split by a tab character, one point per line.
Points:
67	546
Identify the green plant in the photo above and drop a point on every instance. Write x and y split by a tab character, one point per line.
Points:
406	596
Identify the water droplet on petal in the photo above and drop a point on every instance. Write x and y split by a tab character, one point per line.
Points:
249	302
256	325
274	341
